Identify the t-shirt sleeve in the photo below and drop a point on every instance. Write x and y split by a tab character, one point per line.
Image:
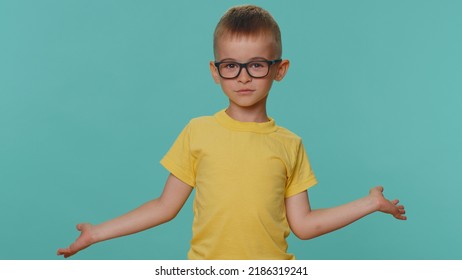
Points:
302	177
179	160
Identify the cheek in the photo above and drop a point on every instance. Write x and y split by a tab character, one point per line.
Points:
225	85
266	83
273	73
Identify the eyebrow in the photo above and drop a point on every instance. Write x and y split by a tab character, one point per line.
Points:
257	58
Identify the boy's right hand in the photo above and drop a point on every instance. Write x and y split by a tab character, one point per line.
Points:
83	241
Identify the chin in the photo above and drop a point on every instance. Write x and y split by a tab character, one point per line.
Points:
246	105
248	102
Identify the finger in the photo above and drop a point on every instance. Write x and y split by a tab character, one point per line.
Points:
395	201
62	251
66	253
83	226
80	227
401	216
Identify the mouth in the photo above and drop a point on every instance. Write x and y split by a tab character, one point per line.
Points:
245	91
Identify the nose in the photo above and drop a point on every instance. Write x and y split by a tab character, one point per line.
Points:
244	76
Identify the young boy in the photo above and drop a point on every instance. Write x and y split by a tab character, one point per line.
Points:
250	175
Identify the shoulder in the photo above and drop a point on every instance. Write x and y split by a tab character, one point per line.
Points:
203	122
286	135
201	125
285	141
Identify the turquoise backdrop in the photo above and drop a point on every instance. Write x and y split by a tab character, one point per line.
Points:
93	93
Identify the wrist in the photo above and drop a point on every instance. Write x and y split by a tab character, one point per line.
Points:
373	203
94	235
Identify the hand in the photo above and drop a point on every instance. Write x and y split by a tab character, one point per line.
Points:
83	241
387	206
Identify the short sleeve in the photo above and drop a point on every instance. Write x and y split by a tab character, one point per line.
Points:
179	160
302	177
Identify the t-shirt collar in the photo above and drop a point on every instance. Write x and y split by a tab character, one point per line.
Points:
225	120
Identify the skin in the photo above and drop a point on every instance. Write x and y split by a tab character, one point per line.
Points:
247	103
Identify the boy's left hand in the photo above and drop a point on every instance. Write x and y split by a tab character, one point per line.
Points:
387	206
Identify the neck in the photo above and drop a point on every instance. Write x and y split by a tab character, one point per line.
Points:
243	114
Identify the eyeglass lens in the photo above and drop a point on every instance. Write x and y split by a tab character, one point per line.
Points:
256	69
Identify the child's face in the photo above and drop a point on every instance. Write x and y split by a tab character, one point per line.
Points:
245	91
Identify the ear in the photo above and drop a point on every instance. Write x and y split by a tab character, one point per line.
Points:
214	71
283	67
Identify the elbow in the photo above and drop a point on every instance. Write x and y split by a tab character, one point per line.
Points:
307	233
165	212
307	237
304	236
168	216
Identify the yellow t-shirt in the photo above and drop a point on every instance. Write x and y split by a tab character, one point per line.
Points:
242	172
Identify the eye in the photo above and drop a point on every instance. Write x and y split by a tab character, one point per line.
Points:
230	65
256	65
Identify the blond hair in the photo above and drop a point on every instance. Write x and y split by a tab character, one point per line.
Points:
248	20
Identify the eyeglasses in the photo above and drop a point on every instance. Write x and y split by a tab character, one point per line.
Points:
255	69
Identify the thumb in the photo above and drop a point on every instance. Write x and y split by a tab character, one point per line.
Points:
378	189
83	226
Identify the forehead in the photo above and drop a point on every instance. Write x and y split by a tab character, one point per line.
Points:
245	47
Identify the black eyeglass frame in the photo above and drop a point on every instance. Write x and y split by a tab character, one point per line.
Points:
244	65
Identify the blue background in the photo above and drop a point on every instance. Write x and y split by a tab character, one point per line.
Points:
93	93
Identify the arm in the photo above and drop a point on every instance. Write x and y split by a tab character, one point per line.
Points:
148	215
307	223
